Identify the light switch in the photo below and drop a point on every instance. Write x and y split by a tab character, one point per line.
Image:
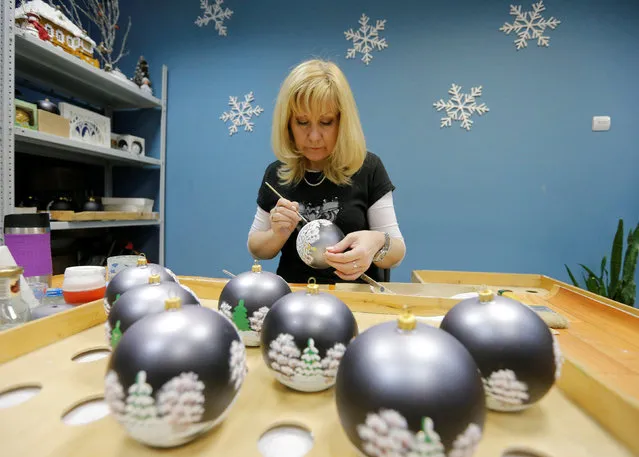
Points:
600	123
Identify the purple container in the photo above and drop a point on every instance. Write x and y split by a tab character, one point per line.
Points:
28	237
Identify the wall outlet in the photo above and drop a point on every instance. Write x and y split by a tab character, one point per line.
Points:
600	123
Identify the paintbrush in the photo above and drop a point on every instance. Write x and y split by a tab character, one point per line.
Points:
364	276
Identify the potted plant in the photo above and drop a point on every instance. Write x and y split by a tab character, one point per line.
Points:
619	284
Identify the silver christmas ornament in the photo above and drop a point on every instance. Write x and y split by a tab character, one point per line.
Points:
175	375
314	238
248	297
518	356
304	336
408	389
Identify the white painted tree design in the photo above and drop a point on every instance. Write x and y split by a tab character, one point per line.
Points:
114	394
331	362
107	330
311	361
257	319
427	441
559	357
237	363
181	401
140	404
504	392
466	443
225	309
284	354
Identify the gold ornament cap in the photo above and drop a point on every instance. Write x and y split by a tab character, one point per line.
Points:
312	287
142	260
486	295
172	303
154	279
256	268
406	320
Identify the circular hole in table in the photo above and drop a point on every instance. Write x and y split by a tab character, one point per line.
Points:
285	440
523	451
91	355
18	394
86	411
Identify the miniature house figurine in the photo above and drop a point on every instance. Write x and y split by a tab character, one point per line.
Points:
63	32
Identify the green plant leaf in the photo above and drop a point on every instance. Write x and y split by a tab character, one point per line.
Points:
572	277
628	293
615	257
601	277
630	261
593	282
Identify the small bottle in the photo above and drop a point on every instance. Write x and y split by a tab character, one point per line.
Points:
14	310
53	297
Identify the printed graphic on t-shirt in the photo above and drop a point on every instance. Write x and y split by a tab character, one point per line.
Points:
327	210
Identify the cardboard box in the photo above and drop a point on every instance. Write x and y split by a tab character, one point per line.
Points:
26	114
53	124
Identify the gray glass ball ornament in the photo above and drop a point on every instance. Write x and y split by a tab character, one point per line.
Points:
313	239
131	277
516	352
247	298
175	375
141	301
405	388
304	337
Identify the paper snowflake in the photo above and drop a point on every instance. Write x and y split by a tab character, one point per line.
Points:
214	13
461	107
529	25
366	39
241	113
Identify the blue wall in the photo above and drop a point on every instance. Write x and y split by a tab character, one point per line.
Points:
530	188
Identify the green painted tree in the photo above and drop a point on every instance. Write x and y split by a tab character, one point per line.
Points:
240	317
116	334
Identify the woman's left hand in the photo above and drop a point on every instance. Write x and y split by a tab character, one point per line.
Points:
362	247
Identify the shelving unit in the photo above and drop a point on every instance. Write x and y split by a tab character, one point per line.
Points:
31	61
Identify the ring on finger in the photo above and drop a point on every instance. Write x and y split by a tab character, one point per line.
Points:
355	266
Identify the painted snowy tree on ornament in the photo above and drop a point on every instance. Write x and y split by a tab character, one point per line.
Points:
247	298
304	337
164	398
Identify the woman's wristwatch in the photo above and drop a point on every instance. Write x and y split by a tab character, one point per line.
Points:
379	256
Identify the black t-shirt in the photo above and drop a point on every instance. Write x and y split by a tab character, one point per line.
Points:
346	206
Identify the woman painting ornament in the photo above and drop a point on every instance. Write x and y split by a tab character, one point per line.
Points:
324	171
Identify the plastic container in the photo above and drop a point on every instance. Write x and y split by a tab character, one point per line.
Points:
83	284
118	263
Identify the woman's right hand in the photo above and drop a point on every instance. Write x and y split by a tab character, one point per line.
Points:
284	217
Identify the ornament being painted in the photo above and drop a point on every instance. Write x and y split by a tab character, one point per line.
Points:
423	394
175	375
314	238
141	301
519	358
304	337
247	298
132	277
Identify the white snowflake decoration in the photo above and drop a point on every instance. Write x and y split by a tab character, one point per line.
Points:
529	25
366	39
460	107
214	13
241	113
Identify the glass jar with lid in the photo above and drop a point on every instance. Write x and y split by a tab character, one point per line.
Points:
14	310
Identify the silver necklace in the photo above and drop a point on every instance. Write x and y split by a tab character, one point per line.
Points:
316	184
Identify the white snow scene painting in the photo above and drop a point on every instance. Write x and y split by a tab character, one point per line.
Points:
504	392
250	328
174	419
387	434
309	235
305	371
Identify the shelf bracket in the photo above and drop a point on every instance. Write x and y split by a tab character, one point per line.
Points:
7	94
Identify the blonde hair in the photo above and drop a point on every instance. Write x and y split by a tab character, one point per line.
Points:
311	86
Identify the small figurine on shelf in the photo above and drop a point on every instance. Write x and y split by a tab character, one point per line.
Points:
34	24
141	77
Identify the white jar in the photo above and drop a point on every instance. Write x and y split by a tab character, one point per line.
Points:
83	284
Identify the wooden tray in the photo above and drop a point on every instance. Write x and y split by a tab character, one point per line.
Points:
562	424
71	216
